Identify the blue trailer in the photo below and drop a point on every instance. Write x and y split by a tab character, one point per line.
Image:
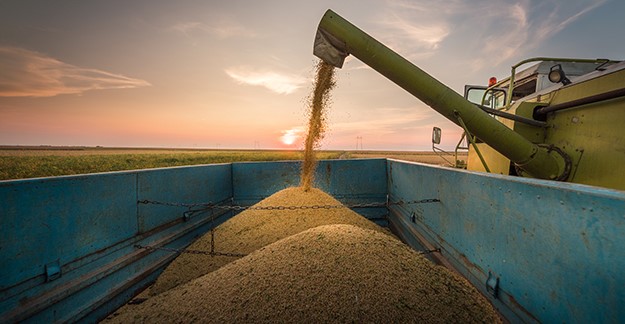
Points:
541	251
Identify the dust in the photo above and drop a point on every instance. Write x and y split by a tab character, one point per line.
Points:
318	102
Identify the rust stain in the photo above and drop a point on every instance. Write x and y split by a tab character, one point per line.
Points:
515	305
470	265
585	239
328	177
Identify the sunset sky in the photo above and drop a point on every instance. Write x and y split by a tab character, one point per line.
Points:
237	74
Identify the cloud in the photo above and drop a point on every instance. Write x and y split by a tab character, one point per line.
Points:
427	36
277	82
221	27
416	29
554	23
509	32
524	26
27	73
496	30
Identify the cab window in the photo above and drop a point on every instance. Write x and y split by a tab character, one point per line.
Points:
494	98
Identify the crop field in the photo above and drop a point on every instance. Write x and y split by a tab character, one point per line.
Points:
18	163
413	156
33	162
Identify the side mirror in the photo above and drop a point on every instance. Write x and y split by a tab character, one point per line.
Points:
436	135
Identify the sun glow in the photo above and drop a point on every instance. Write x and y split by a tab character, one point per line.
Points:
289	136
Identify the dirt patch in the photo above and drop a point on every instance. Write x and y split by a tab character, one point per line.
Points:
332	273
252	229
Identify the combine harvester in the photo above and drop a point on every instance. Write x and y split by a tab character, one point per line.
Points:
536	223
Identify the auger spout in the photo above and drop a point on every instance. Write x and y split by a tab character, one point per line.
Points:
337	38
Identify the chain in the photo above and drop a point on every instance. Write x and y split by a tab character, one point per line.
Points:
175	204
210	205
211	253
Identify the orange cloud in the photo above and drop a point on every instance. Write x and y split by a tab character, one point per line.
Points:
27	73
274	81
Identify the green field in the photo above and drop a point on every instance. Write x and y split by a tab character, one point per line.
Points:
32	163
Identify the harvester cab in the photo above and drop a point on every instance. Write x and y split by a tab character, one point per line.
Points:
507	101
548	75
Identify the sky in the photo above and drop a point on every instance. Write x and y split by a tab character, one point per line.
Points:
238	74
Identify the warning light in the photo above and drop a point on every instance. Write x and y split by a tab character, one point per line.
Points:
492	81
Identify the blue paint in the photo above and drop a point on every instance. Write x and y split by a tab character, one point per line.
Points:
90	224
254	181
64	219
359	179
556	249
183	185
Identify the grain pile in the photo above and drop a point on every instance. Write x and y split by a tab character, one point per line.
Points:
253	229
332	273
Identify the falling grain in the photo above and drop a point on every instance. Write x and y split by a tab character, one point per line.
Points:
324	83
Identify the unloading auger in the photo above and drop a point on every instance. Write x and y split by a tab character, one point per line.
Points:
337	38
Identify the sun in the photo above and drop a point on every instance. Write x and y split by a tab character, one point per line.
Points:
289	136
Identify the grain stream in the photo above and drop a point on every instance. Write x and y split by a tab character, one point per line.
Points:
318	103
